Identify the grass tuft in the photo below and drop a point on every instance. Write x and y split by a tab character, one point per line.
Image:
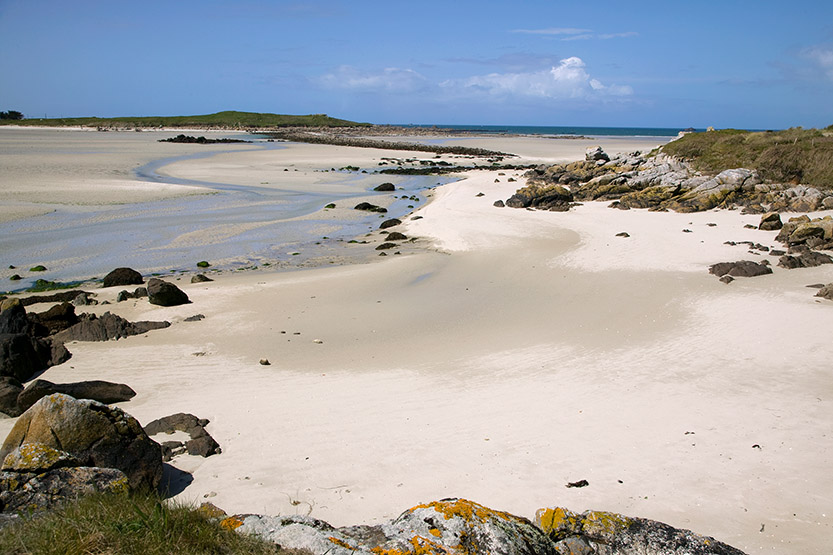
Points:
126	524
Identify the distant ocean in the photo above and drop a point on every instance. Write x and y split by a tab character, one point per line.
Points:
565	130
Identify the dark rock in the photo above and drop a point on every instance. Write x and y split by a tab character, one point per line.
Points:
95	434
123	296
815	285
579	484
195	318
826	292
13	318
390	223
105	327
366	206
58	318
123	276
59	297
10	388
396	236
385	246
163	293
200	278
83	299
21	356
770	221
742	268
384	187
727	279
201	442
611	533
808	259
101	391
478	195
623	234
499	204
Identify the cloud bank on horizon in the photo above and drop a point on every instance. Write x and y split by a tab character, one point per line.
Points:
658	64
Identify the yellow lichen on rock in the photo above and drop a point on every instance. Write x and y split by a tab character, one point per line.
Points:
558	522
419	545
601	524
231	523
465	509
342	543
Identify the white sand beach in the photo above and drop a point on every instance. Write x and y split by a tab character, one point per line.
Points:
505	353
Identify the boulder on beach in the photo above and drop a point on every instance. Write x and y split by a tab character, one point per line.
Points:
200	278
36	477
770	221
390	223
396	236
96	390
367	207
123	276
164	293
10	388
104	328
201	443
595	153
609	533
384	187
741	268
94	433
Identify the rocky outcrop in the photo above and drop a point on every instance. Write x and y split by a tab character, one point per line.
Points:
602	533
58	318
555	198
815	234
826	292
91	432
771	221
105	327
163	293
741	268
461	526
35	477
123	276
662	182
201	443
138	293
96	390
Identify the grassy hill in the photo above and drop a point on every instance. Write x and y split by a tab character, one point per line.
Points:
793	155
220	119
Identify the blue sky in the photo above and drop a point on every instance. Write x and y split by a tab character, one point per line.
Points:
747	64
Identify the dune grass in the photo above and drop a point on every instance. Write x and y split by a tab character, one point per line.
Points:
140	524
228	119
793	155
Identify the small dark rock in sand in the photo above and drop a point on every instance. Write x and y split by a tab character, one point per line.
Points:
826	292
579	484
389	223
481	194
367	207
105	327
385	246
727	279
623	234
163	293
200	278
396	236
499	204
195	318
770	221
201	443
385	187
123	276
741	268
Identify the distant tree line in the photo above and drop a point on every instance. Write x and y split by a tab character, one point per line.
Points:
11	114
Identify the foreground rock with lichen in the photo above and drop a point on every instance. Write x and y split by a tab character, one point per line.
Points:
459	526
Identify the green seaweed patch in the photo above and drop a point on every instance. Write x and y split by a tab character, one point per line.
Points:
16	277
38	268
203	264
46	285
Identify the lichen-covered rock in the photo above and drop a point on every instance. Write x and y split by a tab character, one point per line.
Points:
38	458
92	432
163	293
462	526
123	276
34	492
770	221
809	259
104	328
615	534
97	390
297	532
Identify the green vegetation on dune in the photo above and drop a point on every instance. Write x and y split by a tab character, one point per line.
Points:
228	119
130	524
793	155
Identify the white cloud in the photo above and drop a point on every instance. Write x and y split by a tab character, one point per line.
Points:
390	79
568	80
624	35
553	31
823	58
